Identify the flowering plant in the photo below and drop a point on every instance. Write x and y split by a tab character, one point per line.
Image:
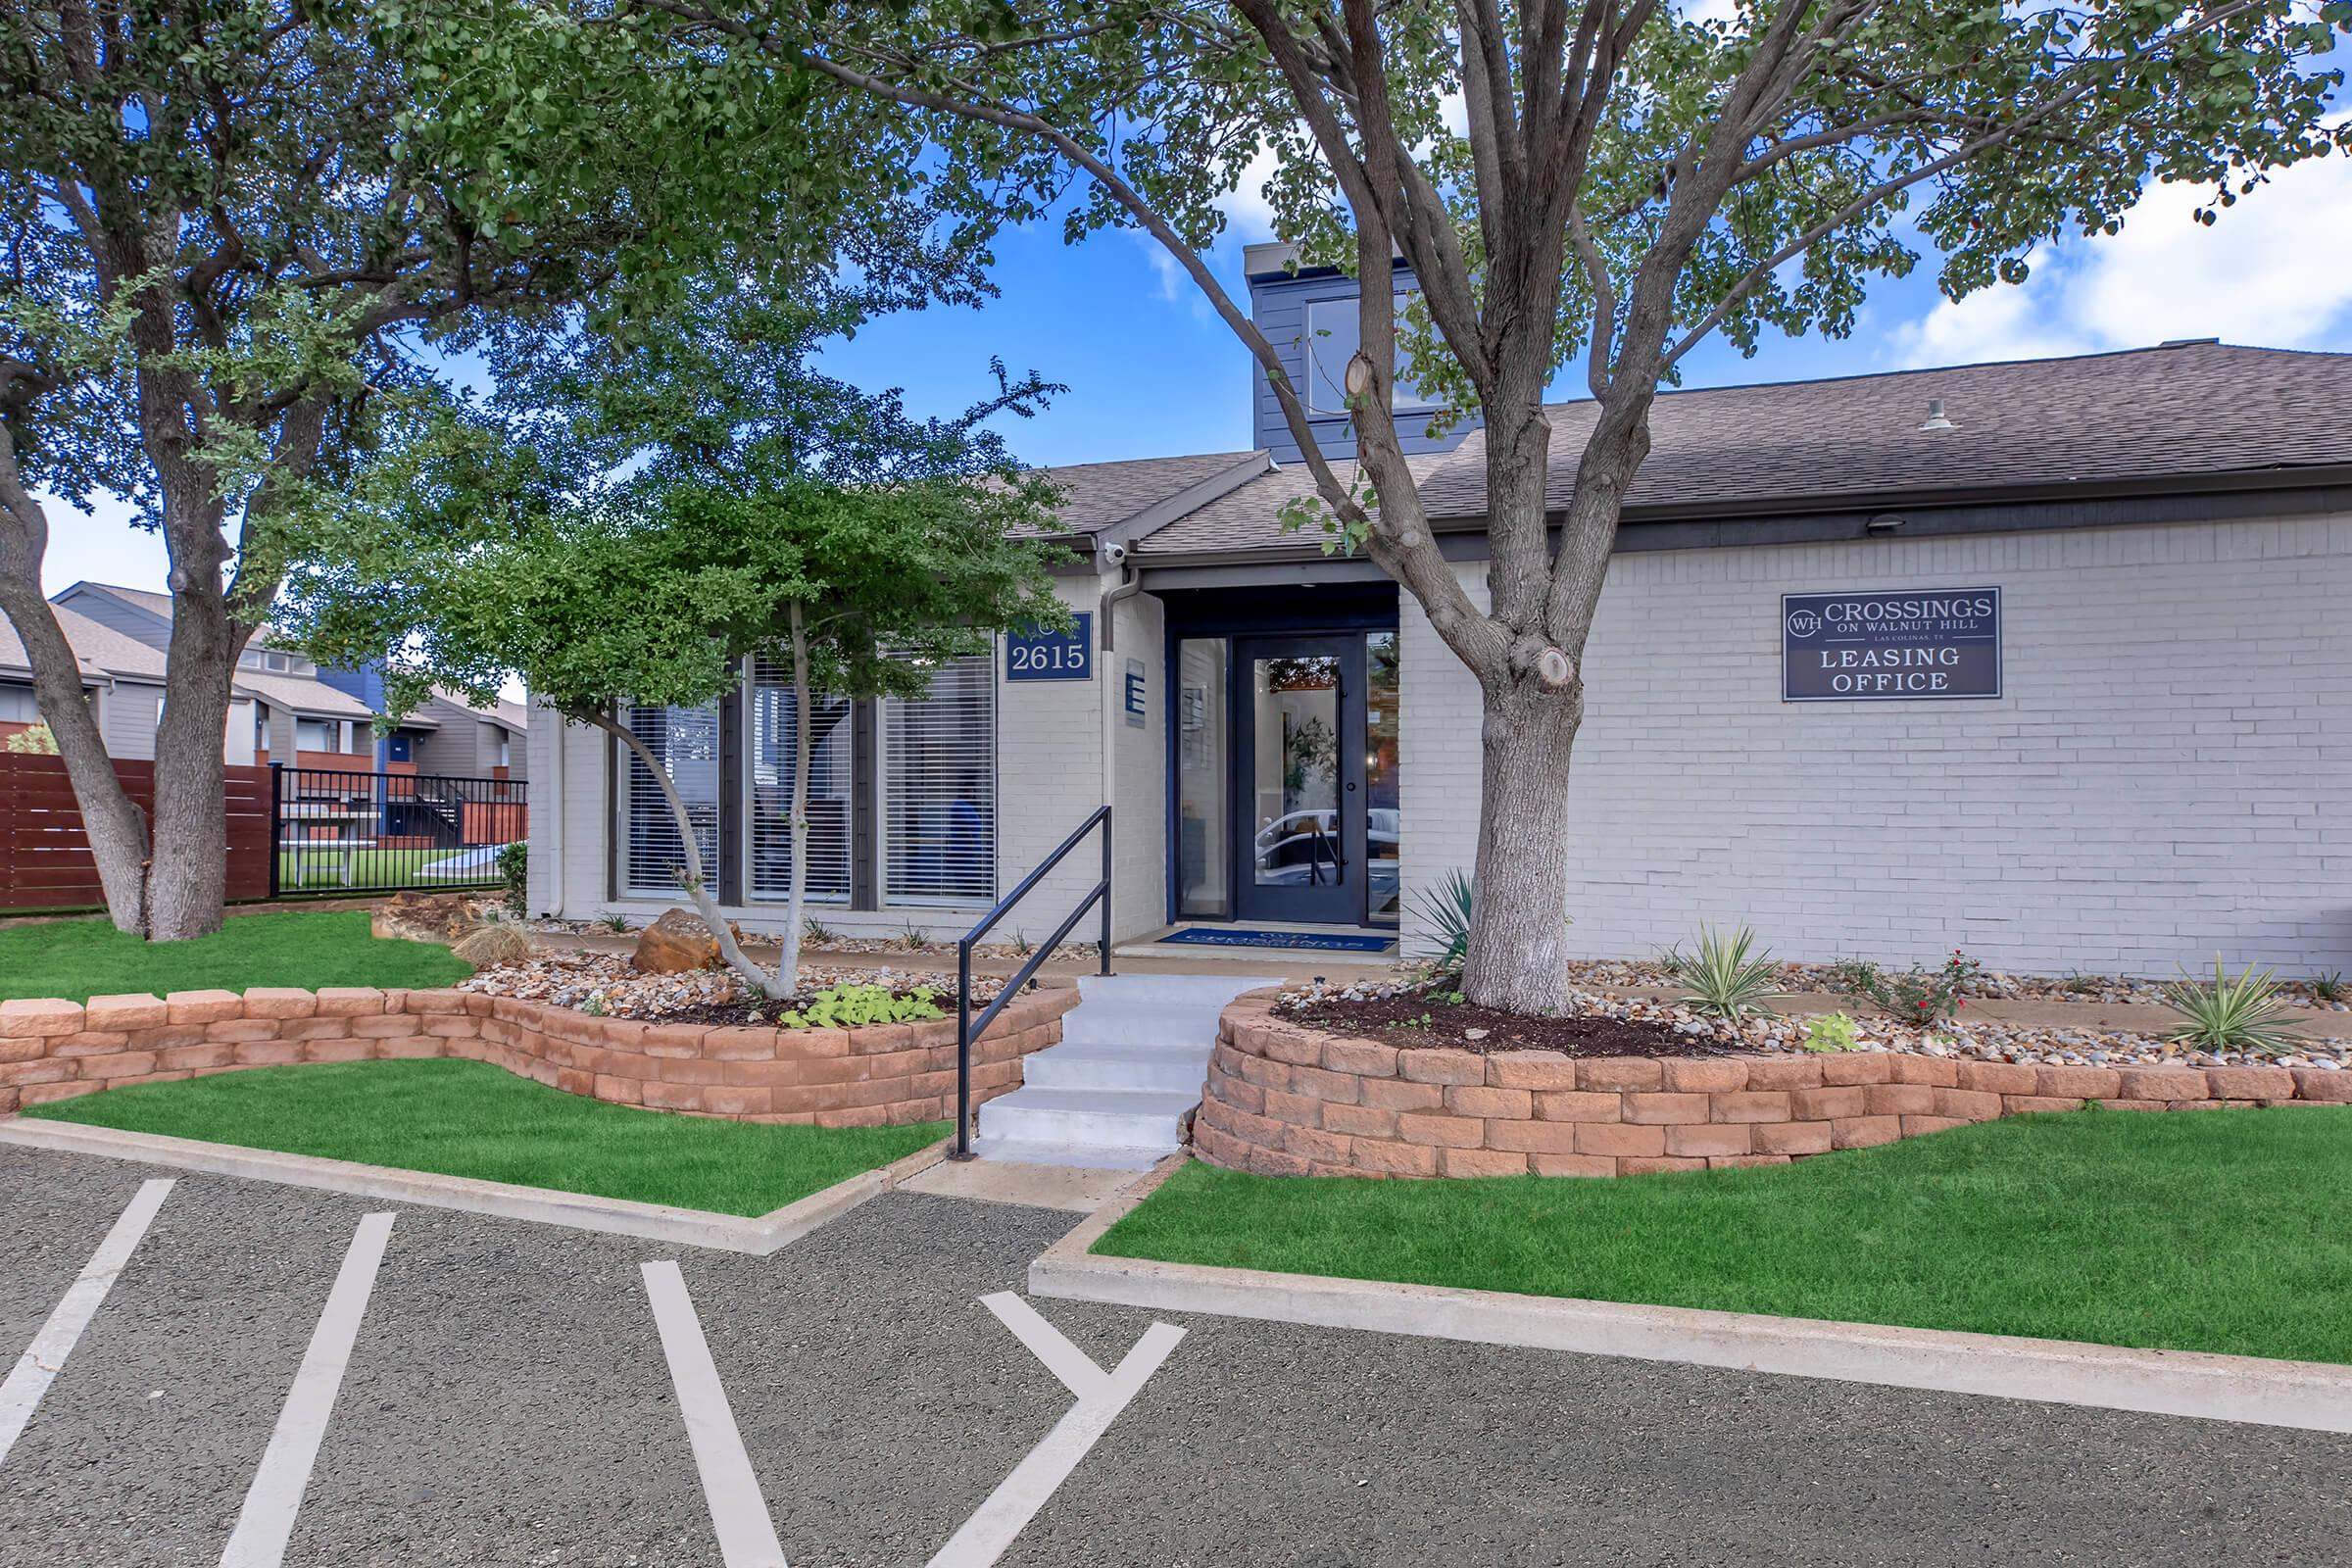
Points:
1924	997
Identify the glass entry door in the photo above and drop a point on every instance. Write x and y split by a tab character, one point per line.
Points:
1299	779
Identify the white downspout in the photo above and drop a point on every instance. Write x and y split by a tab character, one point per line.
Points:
560	897
1120	827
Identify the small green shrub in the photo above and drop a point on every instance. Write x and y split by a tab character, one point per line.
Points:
1833	1031
817	933
2328	987
915	938
1725	981
1444	906
1022	947
847	1007
515	871
615	923
1924	997
2241	1014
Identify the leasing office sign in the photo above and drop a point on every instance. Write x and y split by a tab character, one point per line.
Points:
1904	643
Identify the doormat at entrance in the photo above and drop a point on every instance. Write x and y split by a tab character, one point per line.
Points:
1242	936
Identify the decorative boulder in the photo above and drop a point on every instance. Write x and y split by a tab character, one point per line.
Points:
421	917
677	942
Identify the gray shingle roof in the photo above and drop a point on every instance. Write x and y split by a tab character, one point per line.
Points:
2196	411
1251	516
99	649
1102	495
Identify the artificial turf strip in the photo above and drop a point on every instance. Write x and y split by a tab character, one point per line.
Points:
469	1118
2218	1230
79	959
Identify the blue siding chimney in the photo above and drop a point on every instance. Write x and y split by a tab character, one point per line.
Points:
1298	311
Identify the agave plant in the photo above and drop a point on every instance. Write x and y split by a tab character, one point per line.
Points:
2241	1014
1724	980
1446	909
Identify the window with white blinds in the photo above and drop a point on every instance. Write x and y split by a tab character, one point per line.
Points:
686	739
939	789
831	788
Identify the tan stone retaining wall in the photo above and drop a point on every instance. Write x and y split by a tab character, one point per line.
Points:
881	1073
1284	1101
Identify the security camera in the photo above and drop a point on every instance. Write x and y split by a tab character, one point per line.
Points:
1113	554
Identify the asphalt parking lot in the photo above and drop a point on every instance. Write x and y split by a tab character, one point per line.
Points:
510	1398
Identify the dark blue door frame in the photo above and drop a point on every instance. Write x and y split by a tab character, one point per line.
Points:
1316	870
1233	614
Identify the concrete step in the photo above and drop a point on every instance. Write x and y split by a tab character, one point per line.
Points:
1211	991
1115	1093
1138	1119
1084	1067
1125	1021
1085	1156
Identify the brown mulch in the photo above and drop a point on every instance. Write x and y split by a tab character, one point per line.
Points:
1396	1021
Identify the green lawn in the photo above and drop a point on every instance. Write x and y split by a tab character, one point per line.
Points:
468	1118
79	959
2218	1230
322	872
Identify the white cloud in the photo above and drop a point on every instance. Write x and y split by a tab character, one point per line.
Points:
1248	214
2269	272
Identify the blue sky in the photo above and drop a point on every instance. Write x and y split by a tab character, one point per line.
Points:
1151	372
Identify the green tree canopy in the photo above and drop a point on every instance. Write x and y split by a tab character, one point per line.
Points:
242	242
736	504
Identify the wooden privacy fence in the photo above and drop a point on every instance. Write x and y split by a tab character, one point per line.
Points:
45	858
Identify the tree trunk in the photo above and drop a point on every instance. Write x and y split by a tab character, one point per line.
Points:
694	879
796	902
1518	953
188	885
111	820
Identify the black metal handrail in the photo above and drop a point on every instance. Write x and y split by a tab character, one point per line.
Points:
969	1029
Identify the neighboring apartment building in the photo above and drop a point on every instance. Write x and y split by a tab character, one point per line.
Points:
282	708
2048	660
122	677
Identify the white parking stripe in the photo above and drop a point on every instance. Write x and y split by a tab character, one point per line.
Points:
42	1359
1017	1497
1075	1368
746	1539
266	1520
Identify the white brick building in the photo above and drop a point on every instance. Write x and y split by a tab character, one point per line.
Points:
2158	767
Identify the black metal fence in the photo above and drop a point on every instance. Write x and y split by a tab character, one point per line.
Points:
335	831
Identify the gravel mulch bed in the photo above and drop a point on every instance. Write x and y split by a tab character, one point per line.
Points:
931	947
1610	973
604	985
1978	1040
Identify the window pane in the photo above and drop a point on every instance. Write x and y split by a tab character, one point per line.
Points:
1331	341
1205	846
17	706
939	787
773	717
686	739
1298	763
